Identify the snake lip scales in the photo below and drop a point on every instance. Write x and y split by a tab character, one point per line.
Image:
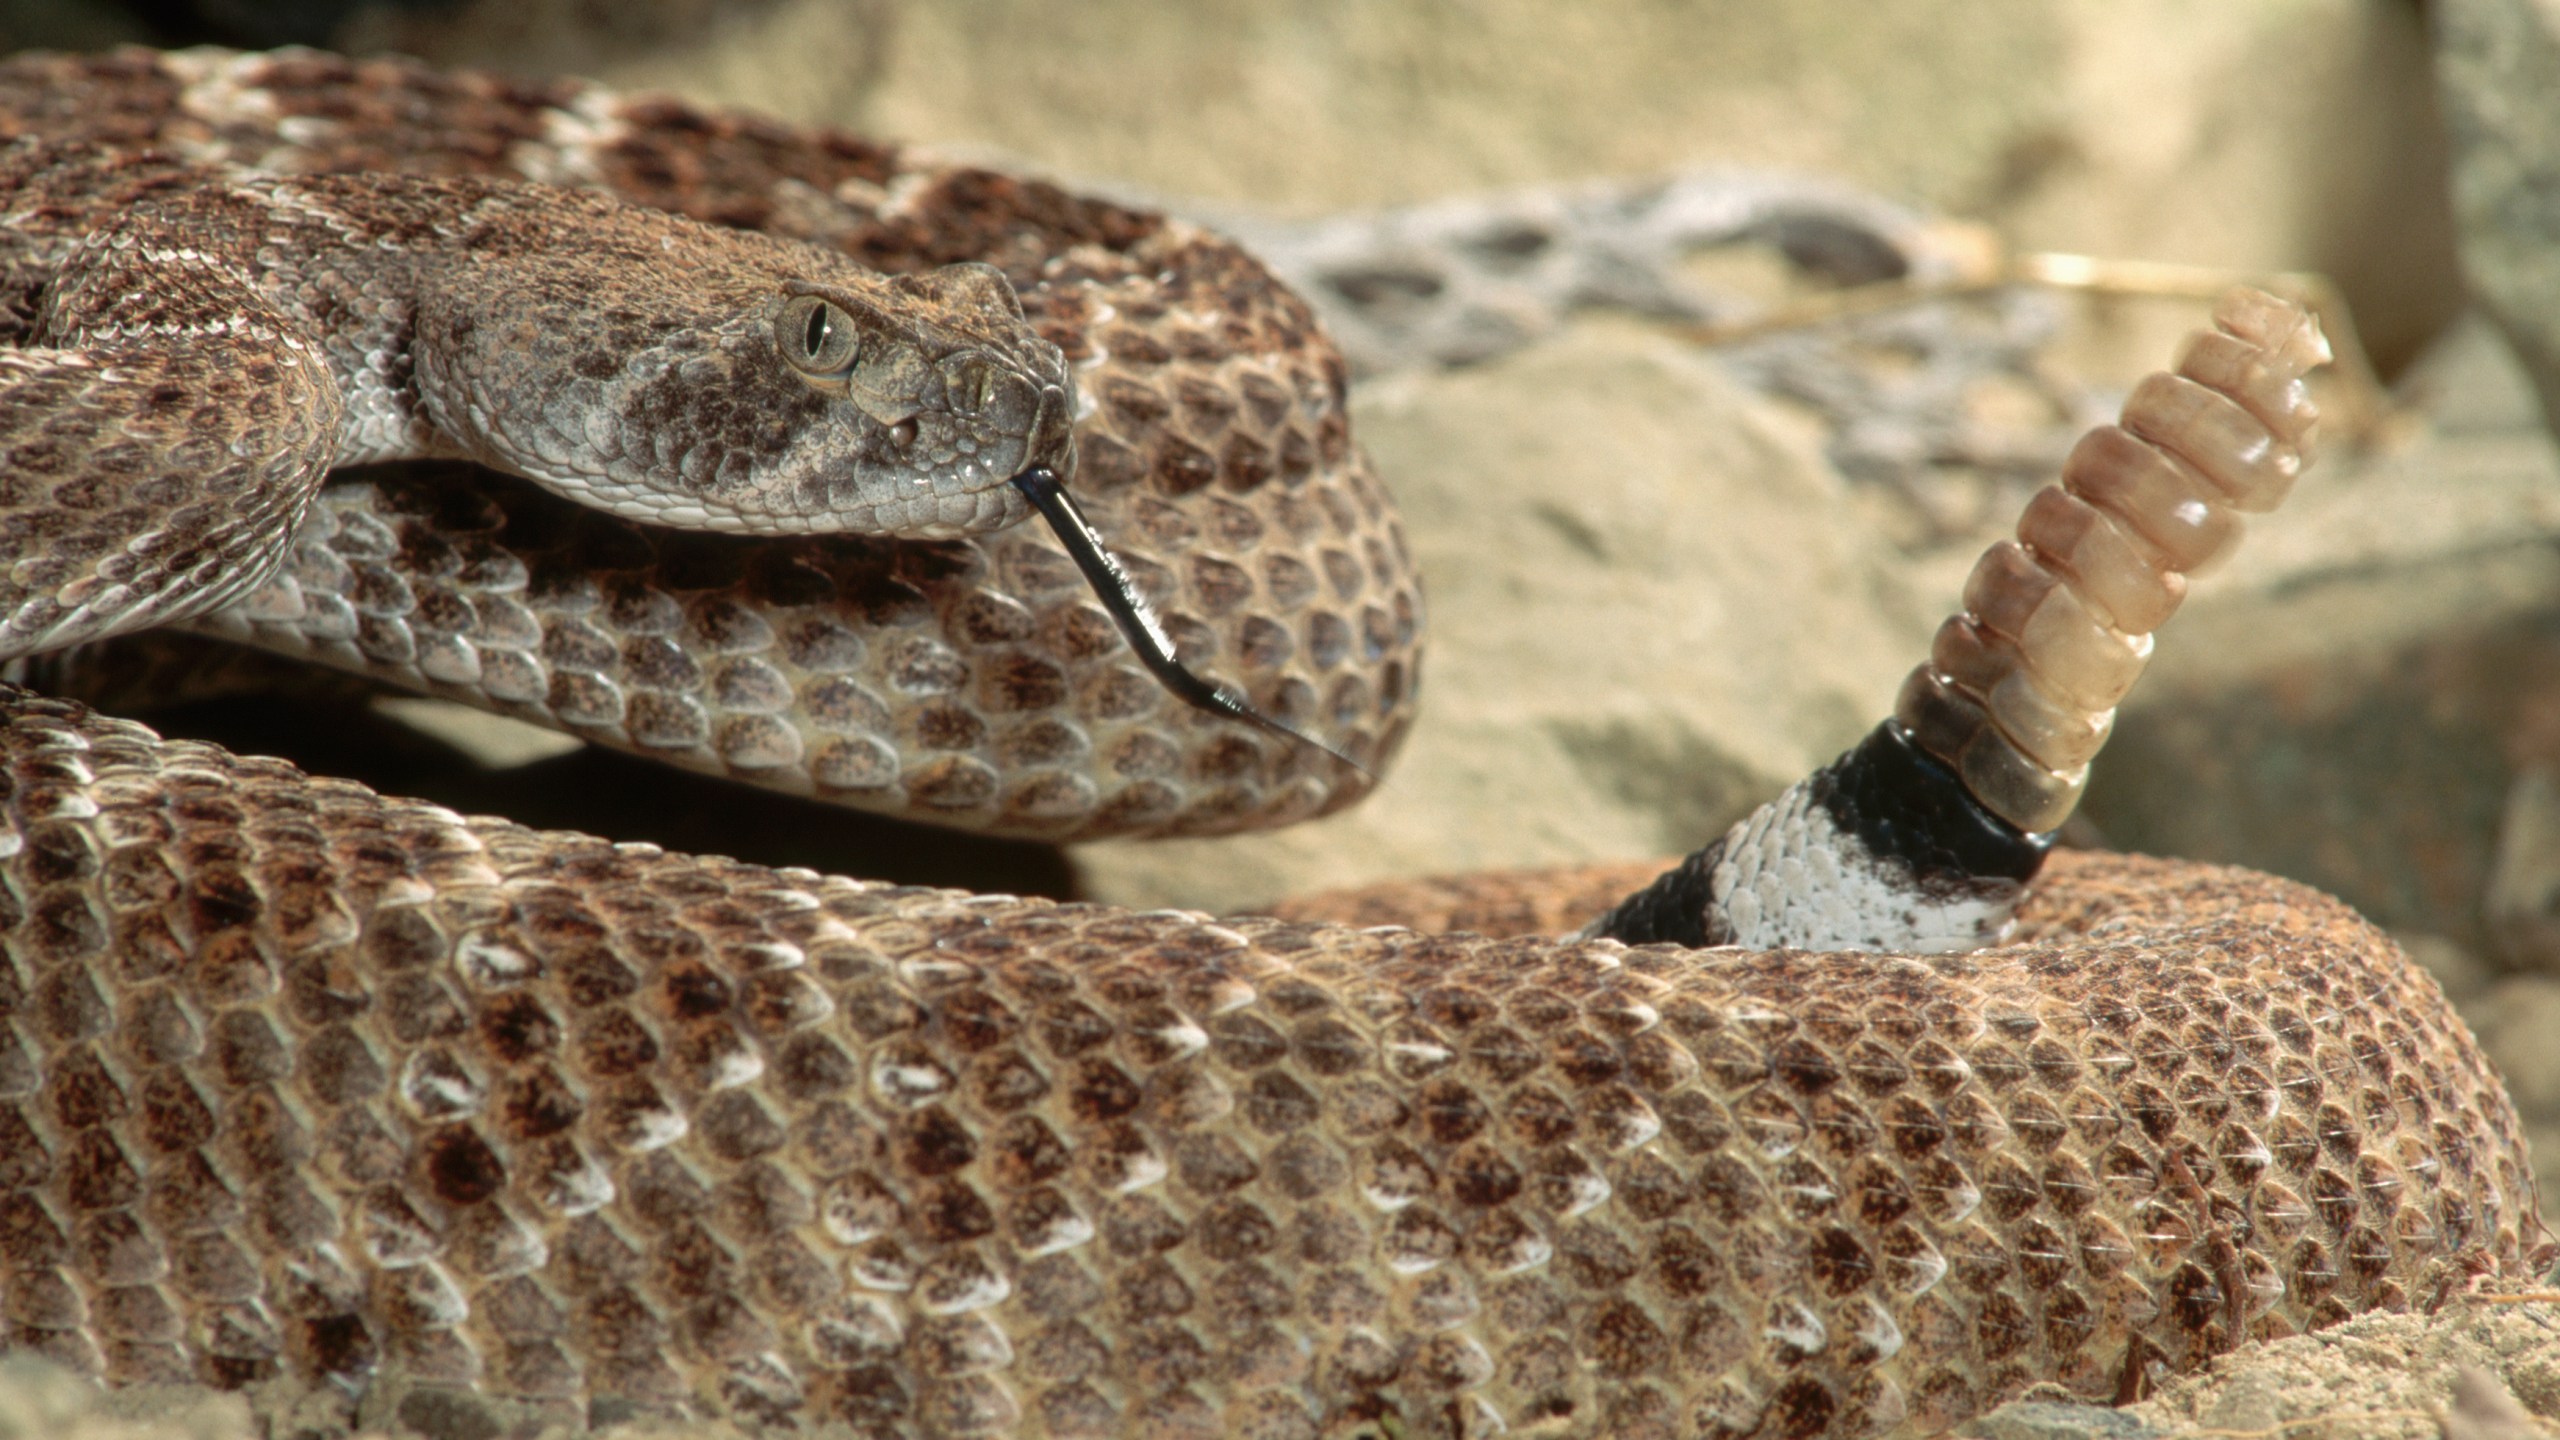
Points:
299	1080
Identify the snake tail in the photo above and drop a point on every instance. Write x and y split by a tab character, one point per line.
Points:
1933	824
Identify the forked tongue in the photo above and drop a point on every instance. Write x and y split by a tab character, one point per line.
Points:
1130	611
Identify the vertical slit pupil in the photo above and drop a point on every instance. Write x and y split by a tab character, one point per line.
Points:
819	325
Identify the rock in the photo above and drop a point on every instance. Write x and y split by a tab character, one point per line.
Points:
499	742
2522	906
2464	1369
2052	1420
2516	1021
2378	1374
441	1414
40	1400
2464	975
2483	1410
2498	62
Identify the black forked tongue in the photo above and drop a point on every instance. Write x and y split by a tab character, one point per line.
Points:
1137	620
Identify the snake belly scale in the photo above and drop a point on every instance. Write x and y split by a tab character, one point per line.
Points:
296	1078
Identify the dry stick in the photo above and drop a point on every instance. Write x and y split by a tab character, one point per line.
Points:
2368	403
2284	1427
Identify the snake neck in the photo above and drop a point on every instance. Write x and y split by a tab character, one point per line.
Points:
1884	849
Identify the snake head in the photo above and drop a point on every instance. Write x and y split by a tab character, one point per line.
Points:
718	380
954	393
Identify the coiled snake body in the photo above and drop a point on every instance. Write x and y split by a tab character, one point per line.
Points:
299	1078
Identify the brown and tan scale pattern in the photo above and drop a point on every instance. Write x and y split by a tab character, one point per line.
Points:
975	682
299	1078
988	690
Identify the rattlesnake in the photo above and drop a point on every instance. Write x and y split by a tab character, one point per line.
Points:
301	1079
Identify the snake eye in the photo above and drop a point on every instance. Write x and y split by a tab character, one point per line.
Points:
816	336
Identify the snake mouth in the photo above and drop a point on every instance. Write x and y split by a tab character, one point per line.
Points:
1021	426
947	469
1051	443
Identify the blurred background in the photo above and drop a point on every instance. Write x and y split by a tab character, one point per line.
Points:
1680	547
2285	134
